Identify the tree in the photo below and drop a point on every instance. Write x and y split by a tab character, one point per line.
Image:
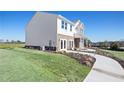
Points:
114	46
18	41
106	44
87	42
7	40
101	44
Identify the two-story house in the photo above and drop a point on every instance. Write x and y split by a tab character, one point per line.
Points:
51	31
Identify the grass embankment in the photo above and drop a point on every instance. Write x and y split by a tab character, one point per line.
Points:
19	64
118	54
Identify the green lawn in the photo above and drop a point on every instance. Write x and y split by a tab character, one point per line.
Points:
19	64
119	54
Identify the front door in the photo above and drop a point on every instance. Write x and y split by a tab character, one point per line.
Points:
77	42
63	44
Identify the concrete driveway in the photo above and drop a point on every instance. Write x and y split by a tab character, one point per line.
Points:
105	69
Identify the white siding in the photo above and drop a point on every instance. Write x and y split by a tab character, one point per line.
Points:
41	29
62	31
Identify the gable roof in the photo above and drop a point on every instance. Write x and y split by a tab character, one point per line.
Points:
65	19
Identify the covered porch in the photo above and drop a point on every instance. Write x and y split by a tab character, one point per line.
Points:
78	40
78	43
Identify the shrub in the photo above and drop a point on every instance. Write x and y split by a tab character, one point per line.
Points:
83	59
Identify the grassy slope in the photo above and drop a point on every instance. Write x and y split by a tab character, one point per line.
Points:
119	54
20	64
4	46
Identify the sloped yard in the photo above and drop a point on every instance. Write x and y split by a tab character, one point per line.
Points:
119	54
19	64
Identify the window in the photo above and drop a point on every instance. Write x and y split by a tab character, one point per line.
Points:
70	27
66	26
69	44
64	44
72	44
50	42
61	44
62	24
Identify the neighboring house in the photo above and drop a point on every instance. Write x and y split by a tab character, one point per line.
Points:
54	32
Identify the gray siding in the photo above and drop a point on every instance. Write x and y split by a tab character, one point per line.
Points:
41	29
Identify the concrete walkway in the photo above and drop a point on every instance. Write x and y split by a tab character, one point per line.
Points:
105	69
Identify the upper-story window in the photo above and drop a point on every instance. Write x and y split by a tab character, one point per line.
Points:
70	27
66	26
62	24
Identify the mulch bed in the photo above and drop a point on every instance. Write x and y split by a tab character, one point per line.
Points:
82	59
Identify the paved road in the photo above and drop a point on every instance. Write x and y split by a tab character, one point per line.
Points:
105	69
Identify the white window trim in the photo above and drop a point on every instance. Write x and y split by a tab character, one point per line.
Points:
63	24
63	45
66	26
70	44
70	27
